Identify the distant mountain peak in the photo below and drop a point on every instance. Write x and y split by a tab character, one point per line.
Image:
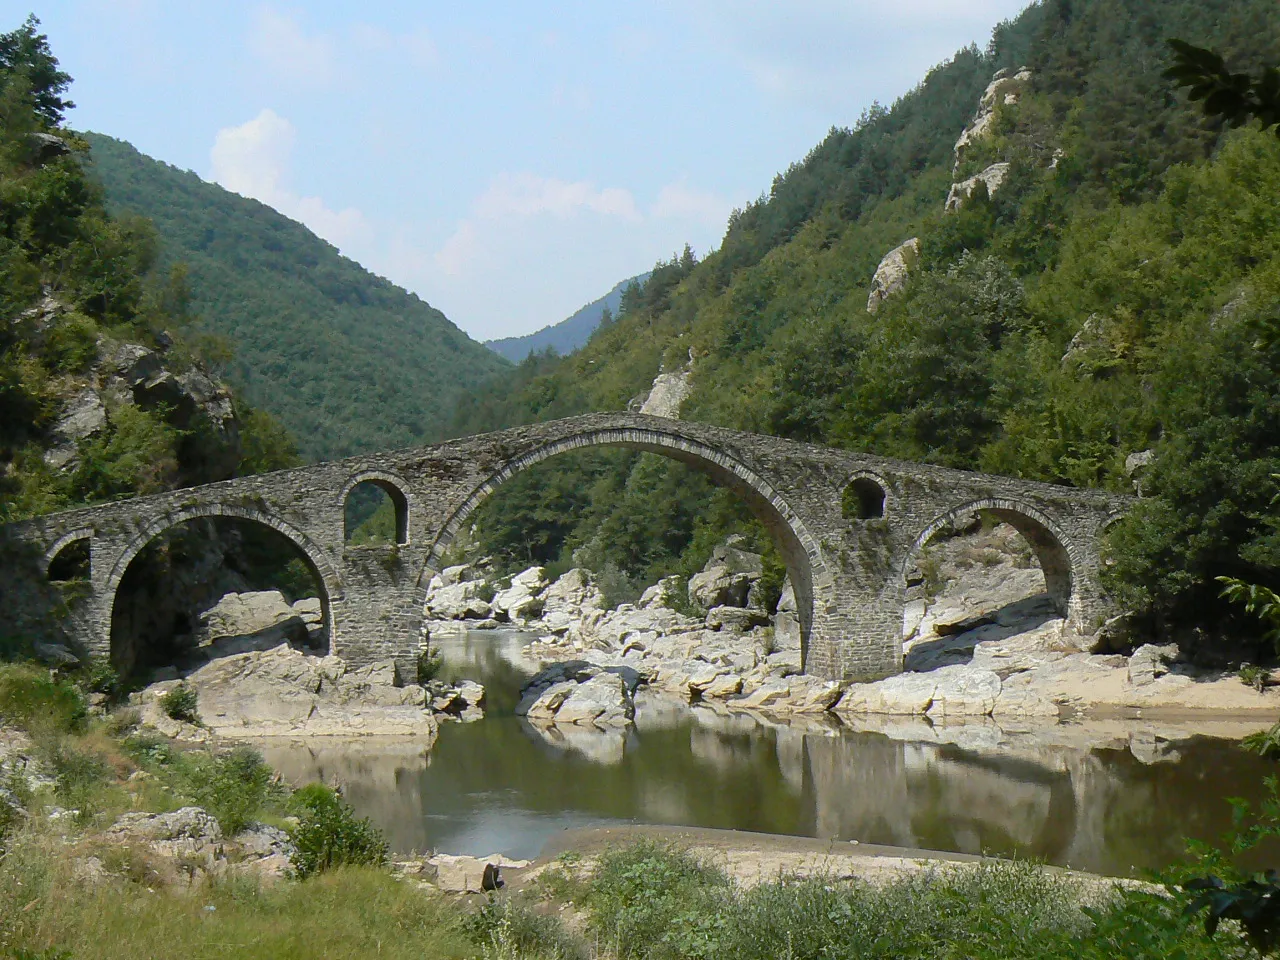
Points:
567	335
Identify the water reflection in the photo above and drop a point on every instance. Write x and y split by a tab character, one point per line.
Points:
1114	798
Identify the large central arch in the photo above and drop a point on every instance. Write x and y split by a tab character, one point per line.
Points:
330	583
810	577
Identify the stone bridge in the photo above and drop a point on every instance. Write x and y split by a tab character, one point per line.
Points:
848	525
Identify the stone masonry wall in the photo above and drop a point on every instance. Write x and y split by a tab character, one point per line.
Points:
849	573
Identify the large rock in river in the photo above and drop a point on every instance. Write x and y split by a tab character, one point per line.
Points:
285	692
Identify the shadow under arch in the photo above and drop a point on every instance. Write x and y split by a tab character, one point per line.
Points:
68	539
810	578
331	588
1057	558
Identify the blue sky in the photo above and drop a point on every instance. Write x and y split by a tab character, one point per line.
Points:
508	162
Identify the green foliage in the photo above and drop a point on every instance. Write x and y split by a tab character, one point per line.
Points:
31	699
649	896
234	786
1265	743
25	59
427	666
1252	675
346	360
1235	97
650	901
1262	602
79	774
511	930
329	834
1225	893
181	703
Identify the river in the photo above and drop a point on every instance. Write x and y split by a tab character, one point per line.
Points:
1113	798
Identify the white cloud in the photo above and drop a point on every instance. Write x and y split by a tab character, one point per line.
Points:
279	41
679	201
528	195
255	160
815	51
318	59
458	252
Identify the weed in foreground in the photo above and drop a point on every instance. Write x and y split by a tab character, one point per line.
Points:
329	834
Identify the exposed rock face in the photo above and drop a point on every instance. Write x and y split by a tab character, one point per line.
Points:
1136	465
1003	90
127	374
669	392
581	693
459	601
1151	662
520	601
188	846
992	178
255	621
284	692
892	273
727	578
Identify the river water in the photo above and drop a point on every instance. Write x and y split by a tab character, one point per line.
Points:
1114	798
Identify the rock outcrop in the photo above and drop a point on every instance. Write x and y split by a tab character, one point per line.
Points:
578	692
1005	89
285	692
187	847
669	392
892	273
992	179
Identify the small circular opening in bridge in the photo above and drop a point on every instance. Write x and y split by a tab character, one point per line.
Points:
983	575
376	512
213	587
863	499
71	562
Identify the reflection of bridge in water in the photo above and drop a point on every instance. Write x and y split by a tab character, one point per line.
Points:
847	524
1111	797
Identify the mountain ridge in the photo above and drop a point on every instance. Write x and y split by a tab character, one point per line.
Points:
347	360
569	334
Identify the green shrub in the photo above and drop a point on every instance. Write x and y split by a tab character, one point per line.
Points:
427	665
646	896
181	703
1252	675
10	817
329	834
99	676
234	787
509	930
31	699
79	776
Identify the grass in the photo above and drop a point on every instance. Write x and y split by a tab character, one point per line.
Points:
350	912
647	901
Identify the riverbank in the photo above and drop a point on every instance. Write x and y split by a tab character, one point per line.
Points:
104	855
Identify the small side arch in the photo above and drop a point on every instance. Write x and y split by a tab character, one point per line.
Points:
865	497
72	538
1058	557
331	584
394	487
813	583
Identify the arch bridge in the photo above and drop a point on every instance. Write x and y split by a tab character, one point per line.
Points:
848	525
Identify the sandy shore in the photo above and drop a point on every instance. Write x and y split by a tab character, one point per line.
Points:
753	858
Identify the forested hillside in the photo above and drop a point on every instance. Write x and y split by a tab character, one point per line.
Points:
570	333
347	360
1116	294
